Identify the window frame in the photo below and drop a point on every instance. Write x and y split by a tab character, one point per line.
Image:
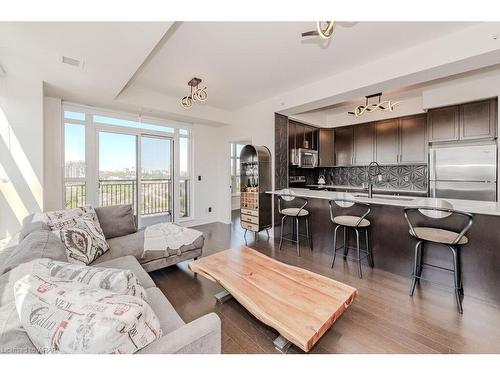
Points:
91	148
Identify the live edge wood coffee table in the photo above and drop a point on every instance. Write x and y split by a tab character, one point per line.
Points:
299	304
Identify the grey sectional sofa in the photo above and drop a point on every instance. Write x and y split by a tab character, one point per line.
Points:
200	336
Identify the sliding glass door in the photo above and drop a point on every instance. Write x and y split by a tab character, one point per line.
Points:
118	178
156	179
149	189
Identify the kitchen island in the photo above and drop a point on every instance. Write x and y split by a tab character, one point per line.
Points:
393	247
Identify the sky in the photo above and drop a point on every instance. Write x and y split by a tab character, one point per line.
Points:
118	151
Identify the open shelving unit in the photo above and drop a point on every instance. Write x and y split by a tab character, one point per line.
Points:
255	180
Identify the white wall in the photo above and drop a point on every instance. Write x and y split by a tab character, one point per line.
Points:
21	148
209	163
53	154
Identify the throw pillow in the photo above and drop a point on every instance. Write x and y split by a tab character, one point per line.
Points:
116	221
84	241
116	280
57	220
75	318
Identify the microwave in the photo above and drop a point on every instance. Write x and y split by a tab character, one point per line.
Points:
304	158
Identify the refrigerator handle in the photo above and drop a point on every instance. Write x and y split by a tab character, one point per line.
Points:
432	164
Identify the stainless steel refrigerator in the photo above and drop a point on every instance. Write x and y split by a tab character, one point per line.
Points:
464	172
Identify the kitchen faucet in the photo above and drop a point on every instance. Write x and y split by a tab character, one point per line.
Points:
377	175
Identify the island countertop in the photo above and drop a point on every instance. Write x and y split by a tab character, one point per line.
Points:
475	207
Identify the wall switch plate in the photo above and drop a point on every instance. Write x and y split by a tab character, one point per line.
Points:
406	178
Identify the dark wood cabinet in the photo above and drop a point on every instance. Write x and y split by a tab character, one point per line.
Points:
444	124
326	147
364	144
302	136
413	139
344	145
478	120
387	141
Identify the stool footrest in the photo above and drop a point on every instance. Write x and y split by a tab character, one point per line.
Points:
446	286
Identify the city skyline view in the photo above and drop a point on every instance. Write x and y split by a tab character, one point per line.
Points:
117	154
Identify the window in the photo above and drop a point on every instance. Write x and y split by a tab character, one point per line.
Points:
235	167
74	165
108	174
131	124
184	177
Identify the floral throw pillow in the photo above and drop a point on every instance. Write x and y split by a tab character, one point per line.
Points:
76	318
84	241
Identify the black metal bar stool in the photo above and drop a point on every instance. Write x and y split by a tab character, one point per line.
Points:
357	224
295	213
450	239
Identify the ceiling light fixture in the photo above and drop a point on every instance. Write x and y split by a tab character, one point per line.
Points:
324	29
196	94
386	105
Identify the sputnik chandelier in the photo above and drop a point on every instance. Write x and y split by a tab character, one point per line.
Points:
386	105
324	29
196	95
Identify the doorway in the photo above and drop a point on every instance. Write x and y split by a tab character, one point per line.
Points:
136	169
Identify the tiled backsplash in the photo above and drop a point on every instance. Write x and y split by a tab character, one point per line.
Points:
402	177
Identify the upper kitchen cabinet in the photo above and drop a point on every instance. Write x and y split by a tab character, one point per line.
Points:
364	144
344	145
302	136
444	124
326	148
478	120
468	121
413	139
387	141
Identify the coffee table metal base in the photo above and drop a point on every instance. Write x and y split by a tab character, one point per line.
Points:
282	344
223	296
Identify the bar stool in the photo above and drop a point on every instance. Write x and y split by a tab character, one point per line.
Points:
295	213
356	223
450	239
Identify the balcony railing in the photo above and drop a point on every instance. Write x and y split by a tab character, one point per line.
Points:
155	195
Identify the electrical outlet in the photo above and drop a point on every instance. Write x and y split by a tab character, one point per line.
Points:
406	178
209	209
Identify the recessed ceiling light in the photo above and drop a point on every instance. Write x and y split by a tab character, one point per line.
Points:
71	61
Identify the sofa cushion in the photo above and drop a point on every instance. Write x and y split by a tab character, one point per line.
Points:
116	221
84	241
38	244
62	317
129	263
168	317
30	226
13	337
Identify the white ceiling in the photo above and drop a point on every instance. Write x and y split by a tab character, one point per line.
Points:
111	53
240	62
245	62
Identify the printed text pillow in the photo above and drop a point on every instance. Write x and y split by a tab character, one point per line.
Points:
115	280
61	317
